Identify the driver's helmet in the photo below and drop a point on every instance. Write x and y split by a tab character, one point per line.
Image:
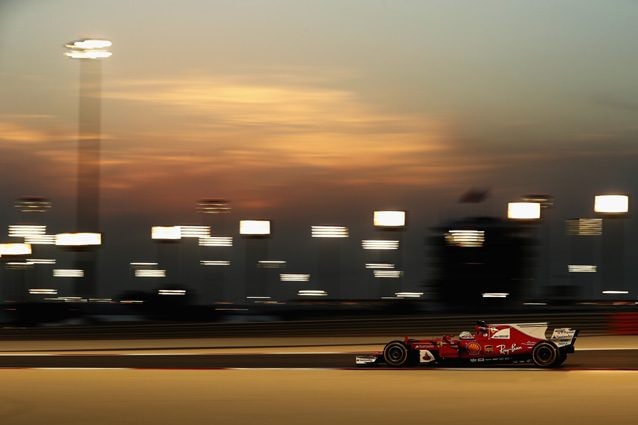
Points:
466	335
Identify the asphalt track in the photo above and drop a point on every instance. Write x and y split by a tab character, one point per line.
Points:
626	359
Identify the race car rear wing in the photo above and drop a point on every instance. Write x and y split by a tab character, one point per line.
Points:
564	337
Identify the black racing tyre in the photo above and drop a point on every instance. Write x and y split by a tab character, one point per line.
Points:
545	354
562	356
395	354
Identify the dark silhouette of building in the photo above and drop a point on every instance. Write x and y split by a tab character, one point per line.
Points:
481	262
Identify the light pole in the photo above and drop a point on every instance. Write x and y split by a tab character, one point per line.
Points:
255	233
613	209
89	52
394	221
329	258
528	213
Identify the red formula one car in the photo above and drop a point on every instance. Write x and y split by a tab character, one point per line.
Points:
489	343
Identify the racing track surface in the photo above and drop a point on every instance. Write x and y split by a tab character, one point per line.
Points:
602	359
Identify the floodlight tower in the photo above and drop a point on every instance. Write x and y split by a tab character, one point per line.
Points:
89	52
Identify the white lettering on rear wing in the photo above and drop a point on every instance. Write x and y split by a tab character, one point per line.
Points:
563	336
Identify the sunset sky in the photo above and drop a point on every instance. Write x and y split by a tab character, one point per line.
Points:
319	112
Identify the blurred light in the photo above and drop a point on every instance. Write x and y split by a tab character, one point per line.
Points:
213	206
312	293
379	266
89	44
88	49
131	302
534	303
524	210
78	239
329	232
379	244
611	204
143	264
465	238
495	294
30	204
408	294
254	227
68	273
166	233
615	292
216	241
585	226
171	292
271	264
18	265
26	230
100	300
41	260
42	291
40	239
150	273
195	231
391	274
389	218
581	268
10	249
255	297
215	263
545	201
294	277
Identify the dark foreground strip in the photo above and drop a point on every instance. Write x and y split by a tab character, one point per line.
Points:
616	359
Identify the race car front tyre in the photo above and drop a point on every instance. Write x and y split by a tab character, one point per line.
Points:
546	354
395	354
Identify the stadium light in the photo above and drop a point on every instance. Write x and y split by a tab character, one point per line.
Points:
524	210
88	49
611	204
254	227
389	219
78	239
329	232
380	244
14	249
166	233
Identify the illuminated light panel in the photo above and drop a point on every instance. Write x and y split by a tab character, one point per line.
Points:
408	294
581	268
18	265
533	303
312	293
329	232
166	233
585	226
78	239
195	231
68	273
254	227
131	302
43	291
216	241
615	292
495	294
9	249
40	239
611	204
255	297
143	264
41	260
150	273
88	54
215	263
26	230
294	277
377	266
524	210
379	244
389	218
388	274
465	238
271	264
171	292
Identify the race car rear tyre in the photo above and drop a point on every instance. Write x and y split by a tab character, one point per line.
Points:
395	354
546	354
